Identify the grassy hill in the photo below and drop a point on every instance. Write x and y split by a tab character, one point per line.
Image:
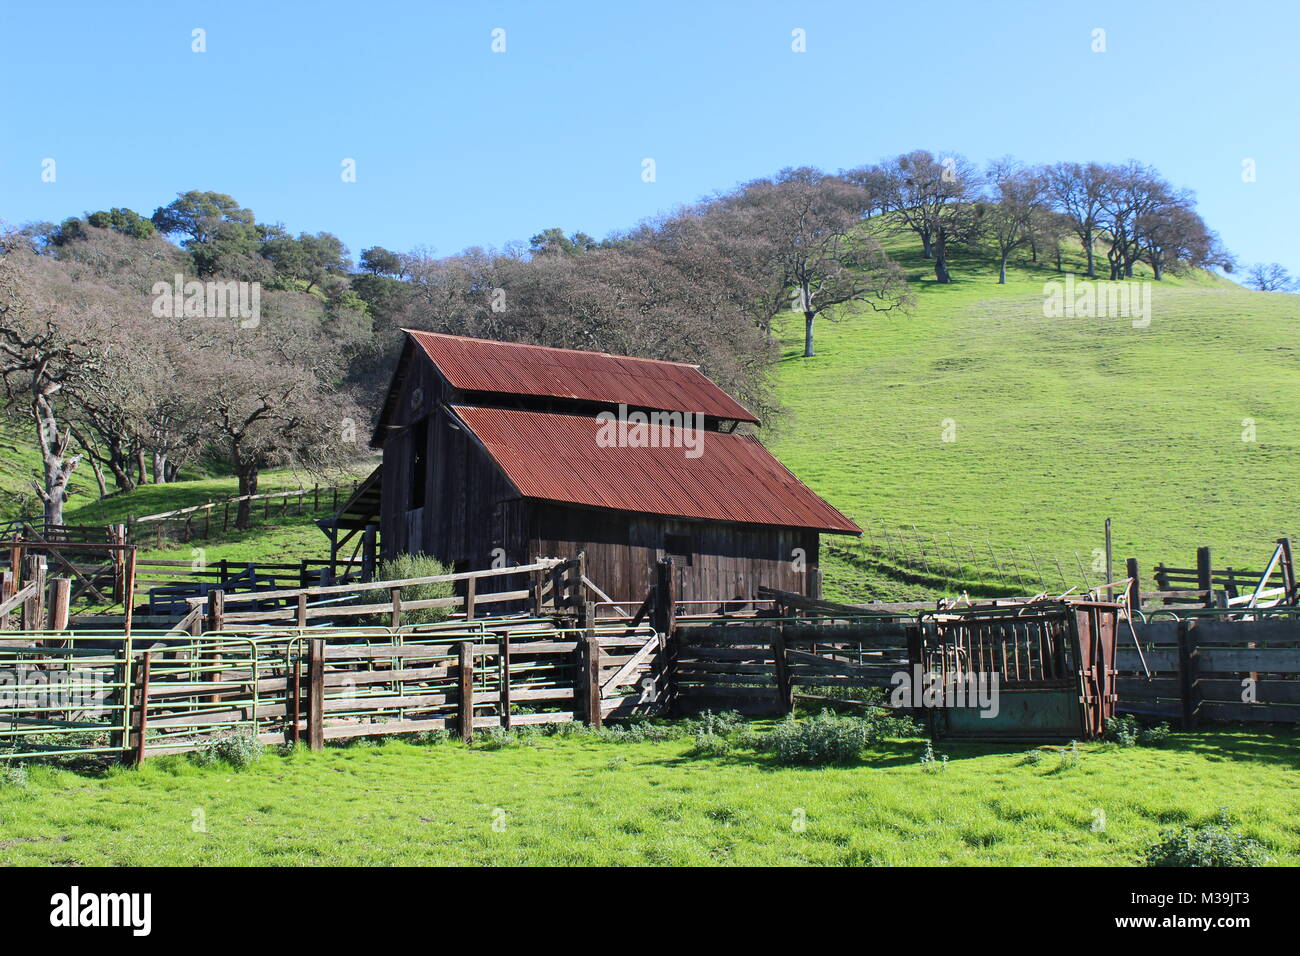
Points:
1059	423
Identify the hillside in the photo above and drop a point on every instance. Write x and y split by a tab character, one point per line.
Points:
1059	423
1056	423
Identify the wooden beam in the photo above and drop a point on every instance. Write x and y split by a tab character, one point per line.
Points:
316	693
465	709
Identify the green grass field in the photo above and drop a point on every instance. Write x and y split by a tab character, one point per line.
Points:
578	801
1059	422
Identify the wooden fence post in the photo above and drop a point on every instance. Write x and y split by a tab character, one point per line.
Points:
591	677
316	693
503	678
539	583
60	595
1135	586
466	705
1205	575
34	606
368	553
7	590
142	708
395	616
302	610
216	609
784	692
664	616
471	592
1288	572
1189	660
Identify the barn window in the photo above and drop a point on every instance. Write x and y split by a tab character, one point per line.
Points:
679	547
419	462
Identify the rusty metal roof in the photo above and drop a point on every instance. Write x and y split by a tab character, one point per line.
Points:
734	478
483	365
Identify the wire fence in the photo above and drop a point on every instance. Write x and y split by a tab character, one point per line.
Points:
964	560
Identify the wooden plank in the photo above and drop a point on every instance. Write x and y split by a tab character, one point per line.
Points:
630	668
1272	660
1267	713
1265	632
316	694
465	714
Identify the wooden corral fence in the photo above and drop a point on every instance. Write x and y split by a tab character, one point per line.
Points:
155	694
759	668
1207	586
1208	668
553	585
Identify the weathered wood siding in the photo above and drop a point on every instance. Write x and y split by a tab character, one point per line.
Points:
727	561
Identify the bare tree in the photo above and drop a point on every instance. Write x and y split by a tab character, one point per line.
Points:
1270	278
933	197
45	354
819	248
1017	194
1078	191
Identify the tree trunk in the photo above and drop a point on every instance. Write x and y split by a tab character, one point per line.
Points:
159	468
57	464
941	259
807	335
99	477
927	246
247	486
1092	256
1002	270
140	468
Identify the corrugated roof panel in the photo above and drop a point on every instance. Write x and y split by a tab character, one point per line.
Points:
559	458
482	365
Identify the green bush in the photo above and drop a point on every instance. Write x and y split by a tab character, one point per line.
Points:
821	739
710	745
240	749
1210	844
707	722
1032	758
418	566
1126	732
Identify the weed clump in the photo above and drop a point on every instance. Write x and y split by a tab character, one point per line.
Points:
1125	731
1217	843
239	750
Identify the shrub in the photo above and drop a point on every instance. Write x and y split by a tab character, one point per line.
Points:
239	749
1032	758
1211	844
710	745
418	566
1126	732
13	775
707	722
1122	730
822	739
1153	736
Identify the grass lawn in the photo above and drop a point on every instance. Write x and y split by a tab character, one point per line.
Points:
581	801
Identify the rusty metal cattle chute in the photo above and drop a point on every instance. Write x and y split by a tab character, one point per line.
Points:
1048	667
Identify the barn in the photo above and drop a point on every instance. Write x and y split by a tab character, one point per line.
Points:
500	452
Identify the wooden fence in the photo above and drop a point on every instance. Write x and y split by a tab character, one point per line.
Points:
758	668
198	522
155	694
1208	669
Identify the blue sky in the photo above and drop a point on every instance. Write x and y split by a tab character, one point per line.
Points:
456	145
